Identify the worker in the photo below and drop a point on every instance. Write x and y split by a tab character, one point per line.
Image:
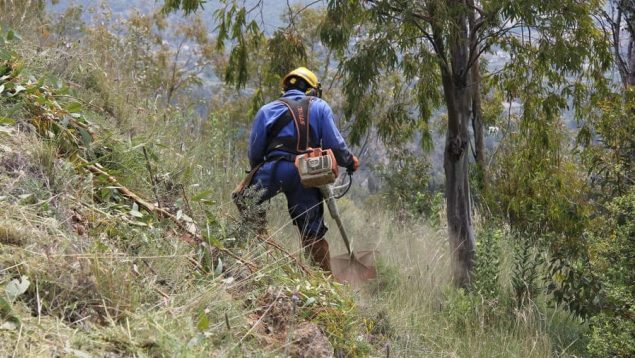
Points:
282	129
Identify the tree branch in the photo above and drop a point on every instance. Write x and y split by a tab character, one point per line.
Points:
436	45
480	11
615	24
98	169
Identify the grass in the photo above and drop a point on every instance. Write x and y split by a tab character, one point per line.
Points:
111	279
412	307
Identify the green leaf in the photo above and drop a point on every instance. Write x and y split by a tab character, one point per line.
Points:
73	107
203	322
11	322
10	35
134	212
309	301
219	268
16	287
5	308
87	139
7	121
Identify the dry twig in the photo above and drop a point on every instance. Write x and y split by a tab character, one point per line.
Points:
98	169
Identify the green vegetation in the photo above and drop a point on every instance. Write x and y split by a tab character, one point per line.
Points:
118	236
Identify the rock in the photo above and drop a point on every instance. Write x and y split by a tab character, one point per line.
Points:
308	341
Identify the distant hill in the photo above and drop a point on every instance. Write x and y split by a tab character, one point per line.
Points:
270	14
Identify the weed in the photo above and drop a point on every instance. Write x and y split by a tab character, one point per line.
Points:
526	271
488	263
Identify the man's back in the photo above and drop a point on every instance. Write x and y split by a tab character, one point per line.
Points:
323	132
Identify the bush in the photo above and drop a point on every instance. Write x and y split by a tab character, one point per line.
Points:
613	253
488	263
406	185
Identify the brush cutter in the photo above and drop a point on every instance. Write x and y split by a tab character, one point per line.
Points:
318	168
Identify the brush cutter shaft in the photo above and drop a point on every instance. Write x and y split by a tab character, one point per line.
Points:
327	193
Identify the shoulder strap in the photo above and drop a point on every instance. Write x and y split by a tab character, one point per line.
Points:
280	123
299	113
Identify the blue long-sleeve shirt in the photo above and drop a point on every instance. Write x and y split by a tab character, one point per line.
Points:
323	131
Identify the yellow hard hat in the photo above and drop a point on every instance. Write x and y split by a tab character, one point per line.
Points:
305	74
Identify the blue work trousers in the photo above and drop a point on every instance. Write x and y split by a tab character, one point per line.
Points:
304	204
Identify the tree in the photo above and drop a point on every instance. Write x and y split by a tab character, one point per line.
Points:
550	44
610	159
608	138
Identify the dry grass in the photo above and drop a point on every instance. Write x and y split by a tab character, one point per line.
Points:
412	308
110	284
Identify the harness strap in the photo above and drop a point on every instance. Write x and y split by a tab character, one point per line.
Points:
298	111
289	157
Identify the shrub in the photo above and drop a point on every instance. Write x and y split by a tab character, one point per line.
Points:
406	184
488	263
613	260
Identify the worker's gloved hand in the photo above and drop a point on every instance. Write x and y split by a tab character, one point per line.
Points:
354	166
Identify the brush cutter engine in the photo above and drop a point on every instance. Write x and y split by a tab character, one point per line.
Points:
317	167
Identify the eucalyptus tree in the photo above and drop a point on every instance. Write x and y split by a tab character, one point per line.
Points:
428	52
553	46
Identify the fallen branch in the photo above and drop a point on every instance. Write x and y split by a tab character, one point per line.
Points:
98	169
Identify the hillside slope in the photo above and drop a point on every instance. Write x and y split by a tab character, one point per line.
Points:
90	265
118	238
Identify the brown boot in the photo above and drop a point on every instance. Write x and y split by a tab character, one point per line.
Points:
319	252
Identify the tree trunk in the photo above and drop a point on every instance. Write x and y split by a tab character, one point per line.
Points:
455	163
627	8
477	109
631	61
477	125
455	157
